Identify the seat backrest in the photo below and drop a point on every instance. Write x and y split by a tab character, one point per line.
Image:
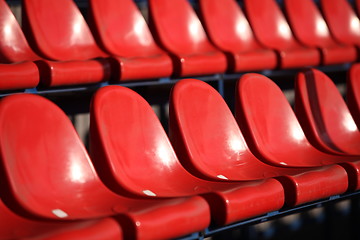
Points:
58	31
343	23
46	166
177	27
353	92
323	112
227	25
307	23
13	44
267	120
121	28
207	138
129	144
269	24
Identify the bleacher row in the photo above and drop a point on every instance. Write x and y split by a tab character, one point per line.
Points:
59	48
213	168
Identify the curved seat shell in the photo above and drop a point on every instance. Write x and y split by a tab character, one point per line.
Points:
342	20
47	174
353	92
17	70
122	31
272	30
229	30
310	29
13	226
210	145
324	115
266	115
177	28
133	155
61	34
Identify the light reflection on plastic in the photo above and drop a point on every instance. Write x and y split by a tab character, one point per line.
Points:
354	24
350	124
297	134
139	30
241	29
321	28
194	29
236	144
164	153
76	172
10	37
284	30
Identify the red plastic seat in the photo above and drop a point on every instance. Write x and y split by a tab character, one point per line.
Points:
230	31
324	115
272	129
273	31
210	144
311	30
61	34
326	119
122	31
342	20
17	70
133	155
353	92
13	226
47	174
178	29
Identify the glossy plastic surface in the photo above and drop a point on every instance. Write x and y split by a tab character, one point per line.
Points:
342	20
353	92
14	49
207	138
272	30
13	226
18	75
106	229
14	46
61	33
271	127
310	29
133	155
324	115
58	73
230	31
179	30
47	173
209	144
122	31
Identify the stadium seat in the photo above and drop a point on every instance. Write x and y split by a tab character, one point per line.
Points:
273	31
47	173
229	30
133	155
177	28
324	115
342	20
121	30
310	29
265	114
326	119
60	34
353	92
13	226
17	71
210	144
